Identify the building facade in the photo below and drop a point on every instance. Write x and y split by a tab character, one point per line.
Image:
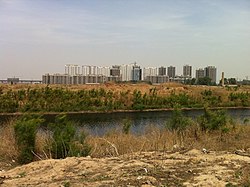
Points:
136	73
72	79
72	69
115	71
162	71
187	71
149	71
171	72
130	72
200	73
157	79
210	71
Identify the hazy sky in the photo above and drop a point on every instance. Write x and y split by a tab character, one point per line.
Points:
41	36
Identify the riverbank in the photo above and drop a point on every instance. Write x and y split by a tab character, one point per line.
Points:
158	157
111	98
15	114
186	168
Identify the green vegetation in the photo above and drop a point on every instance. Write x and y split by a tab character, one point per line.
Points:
240	99
59	99
65	140
62	140
205	81
215	120
25	133
178	121
126	126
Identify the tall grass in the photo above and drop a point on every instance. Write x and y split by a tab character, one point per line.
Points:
117	143
166	140
8	148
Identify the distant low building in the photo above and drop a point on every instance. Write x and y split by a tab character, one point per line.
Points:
246	82
12	80
114	79
72	79
158	79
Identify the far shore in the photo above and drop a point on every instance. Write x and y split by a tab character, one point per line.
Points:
118	111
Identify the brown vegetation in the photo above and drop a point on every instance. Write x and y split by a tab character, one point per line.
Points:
117	143
163	89
158	157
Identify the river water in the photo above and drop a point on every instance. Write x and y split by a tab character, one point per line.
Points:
102	123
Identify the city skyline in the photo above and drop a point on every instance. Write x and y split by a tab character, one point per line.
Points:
130	72
42	36
89	74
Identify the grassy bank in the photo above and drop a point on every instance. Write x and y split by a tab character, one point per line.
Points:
118	143
117	97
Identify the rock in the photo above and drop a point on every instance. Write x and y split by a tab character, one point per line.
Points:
204	151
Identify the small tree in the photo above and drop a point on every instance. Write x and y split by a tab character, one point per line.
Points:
204	81
215	120
179	122
65	140
25	133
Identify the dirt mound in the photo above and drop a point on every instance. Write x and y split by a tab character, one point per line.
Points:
191	168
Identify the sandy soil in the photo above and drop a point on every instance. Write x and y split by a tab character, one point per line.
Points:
187	168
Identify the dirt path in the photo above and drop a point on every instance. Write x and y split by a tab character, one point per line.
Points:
192	168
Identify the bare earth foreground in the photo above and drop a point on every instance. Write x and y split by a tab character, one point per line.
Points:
187	168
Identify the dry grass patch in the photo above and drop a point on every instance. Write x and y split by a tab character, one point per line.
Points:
154	139
117	143
8	149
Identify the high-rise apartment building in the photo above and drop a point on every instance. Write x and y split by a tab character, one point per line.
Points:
126	72
85	70
89	70
136	73
115	71
95	70
171	72
72	69
187	71
210	71
162	71
105	71
200	73
130	72
149	71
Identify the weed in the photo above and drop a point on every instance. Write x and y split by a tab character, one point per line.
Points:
66	184
22	174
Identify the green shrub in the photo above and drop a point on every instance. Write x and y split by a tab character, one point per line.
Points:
25	133
126	125
65	140
214	120
178	121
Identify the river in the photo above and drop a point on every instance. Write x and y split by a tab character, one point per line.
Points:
101	123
